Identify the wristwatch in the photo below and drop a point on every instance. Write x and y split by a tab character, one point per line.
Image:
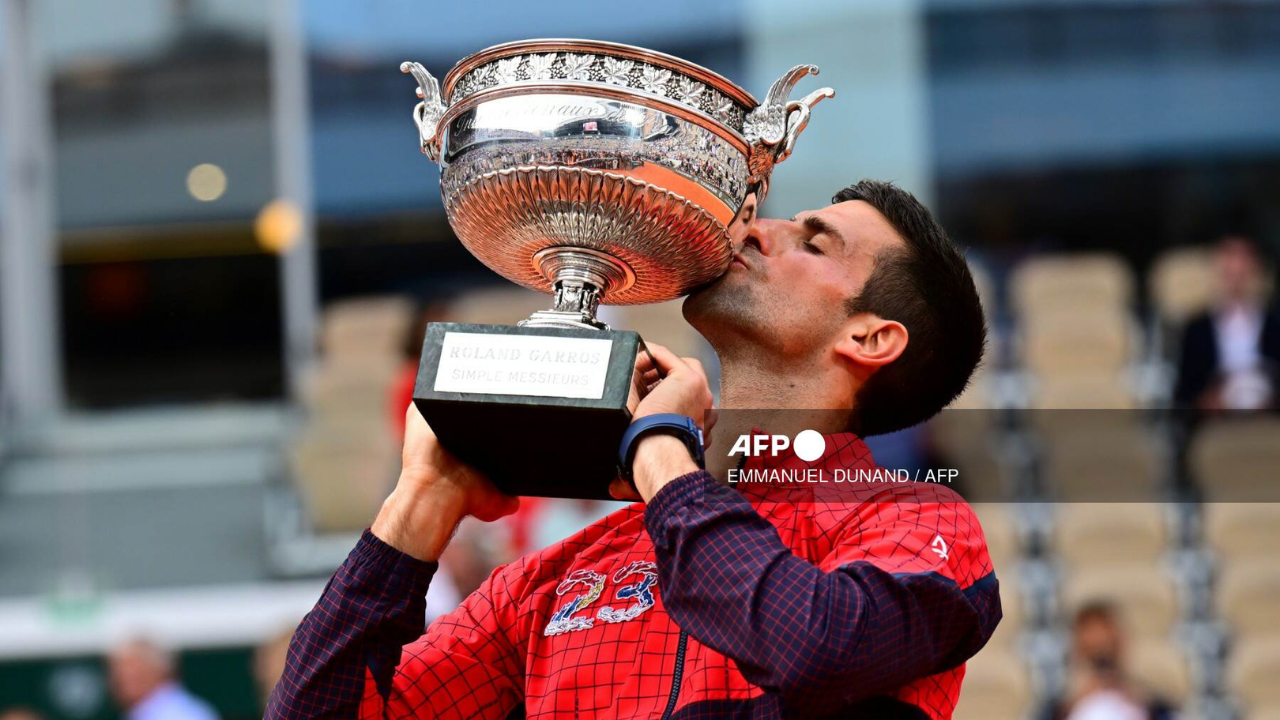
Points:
681	426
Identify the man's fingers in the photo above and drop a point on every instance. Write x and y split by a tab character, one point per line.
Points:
644	362
666	360
645	379
647	373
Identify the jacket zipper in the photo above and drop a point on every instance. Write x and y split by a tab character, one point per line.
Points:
677	677
680	650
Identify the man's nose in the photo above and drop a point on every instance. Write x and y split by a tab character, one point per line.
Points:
762	236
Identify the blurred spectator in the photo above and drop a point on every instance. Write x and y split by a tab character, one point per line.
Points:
1101	688
1230	356
268	662
144	683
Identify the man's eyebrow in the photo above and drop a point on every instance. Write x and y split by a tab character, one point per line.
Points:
819	225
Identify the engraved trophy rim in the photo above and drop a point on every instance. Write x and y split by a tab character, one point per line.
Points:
570	87
520	47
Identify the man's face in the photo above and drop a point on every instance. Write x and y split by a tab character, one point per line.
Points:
1098	642
1239	270
133	676
786	289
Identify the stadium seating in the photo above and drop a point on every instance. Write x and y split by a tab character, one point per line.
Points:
1242	530
1000	530
1110	533
339	391
996	686
1160	666
345	459
1077	336
1008	633
365	326
1254	667
1070	342
497	305
1143	592
1249	595
1263	712
1074	283
1093	457
1181	284
1235	460
344	478
1084	391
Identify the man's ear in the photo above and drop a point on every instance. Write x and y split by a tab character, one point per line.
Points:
870	342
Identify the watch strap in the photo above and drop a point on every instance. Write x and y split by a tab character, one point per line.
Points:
681	426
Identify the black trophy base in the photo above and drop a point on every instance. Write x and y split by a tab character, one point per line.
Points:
474	392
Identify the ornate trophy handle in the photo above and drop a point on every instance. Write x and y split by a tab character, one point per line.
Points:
798	119
427	114
772	128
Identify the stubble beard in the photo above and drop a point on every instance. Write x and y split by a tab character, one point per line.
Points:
724	312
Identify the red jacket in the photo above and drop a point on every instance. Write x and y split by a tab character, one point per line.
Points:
701	604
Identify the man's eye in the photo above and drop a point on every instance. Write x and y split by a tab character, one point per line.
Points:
808	245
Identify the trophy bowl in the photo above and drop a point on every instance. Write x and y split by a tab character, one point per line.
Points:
599	173
605	169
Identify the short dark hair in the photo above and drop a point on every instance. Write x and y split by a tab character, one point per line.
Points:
928	288
1096	611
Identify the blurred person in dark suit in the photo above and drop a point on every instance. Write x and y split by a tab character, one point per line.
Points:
1230	355
1100	687
144	683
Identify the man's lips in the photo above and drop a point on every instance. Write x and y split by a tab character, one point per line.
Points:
739	260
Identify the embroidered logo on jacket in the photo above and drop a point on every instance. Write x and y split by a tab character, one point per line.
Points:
939	546
640	592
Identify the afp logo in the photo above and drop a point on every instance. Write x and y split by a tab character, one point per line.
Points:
809	445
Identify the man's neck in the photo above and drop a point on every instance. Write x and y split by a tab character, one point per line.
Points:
780	398
755	383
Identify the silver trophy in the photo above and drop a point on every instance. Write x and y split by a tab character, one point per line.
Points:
596	172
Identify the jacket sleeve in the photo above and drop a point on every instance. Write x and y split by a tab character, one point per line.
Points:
1197	362
361	652
907	591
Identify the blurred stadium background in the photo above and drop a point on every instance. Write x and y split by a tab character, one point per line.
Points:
219	242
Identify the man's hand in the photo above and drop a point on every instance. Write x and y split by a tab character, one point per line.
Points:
659	458
434	492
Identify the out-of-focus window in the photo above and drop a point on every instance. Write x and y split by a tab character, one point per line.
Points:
164	158
381	224
1128	127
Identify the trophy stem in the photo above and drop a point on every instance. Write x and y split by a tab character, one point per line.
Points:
580	278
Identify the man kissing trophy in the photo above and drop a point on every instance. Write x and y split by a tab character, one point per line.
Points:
596	172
